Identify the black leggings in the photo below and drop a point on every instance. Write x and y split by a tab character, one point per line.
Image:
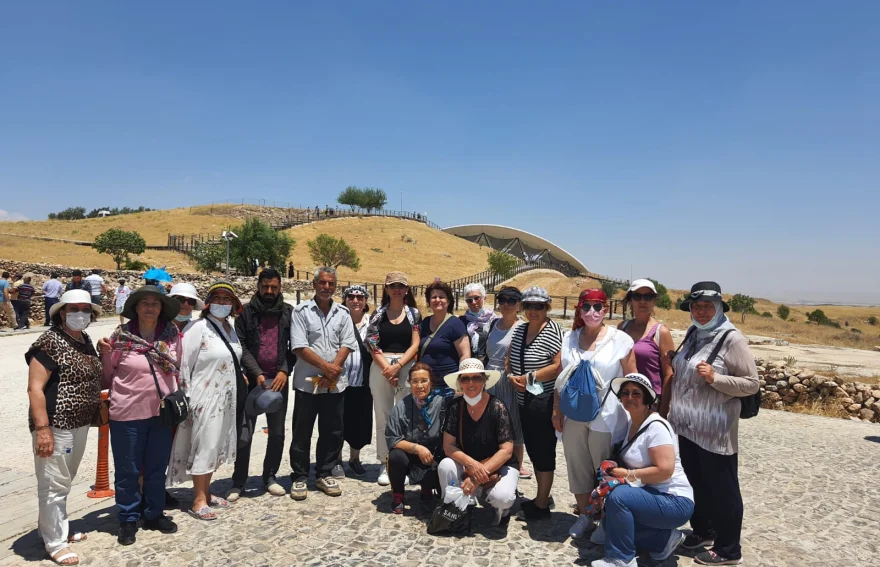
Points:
401	463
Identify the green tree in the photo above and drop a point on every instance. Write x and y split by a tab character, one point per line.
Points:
373	199
502	263
783	311
119	244
257	240
872	320
209	257
70	213
327	250
663	300
743	304
609	288
351	196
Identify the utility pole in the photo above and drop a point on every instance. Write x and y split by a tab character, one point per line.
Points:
401	201
227	235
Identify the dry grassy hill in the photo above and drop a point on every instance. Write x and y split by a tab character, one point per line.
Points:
387	244
554	282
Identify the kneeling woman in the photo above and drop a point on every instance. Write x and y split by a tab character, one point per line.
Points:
413	433
478	440
645	512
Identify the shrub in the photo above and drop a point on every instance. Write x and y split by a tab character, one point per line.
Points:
502	263
856	331
783	312
135	265
209	257
663	300
872	320
609	288
767	314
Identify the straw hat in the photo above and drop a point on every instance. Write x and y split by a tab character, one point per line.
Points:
472	366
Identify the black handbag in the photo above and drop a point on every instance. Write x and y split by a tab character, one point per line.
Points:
174	407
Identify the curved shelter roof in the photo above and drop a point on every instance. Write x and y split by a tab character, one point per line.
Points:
520	243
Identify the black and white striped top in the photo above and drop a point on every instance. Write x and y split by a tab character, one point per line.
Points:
536	355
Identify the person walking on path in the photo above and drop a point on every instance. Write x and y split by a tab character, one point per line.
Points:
6	301
96	285
704	409
23	292
393	337
77	282
212	378
322	337
64	390
52	291
264	331
121	295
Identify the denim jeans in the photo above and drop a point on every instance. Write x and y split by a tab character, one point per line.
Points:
641	518
140	444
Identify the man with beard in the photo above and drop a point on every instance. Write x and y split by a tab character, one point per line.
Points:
264	331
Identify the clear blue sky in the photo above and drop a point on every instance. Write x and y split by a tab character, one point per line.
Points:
735	141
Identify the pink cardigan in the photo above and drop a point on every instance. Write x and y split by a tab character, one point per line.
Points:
133	392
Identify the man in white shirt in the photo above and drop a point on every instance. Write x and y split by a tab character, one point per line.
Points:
321	336
96	283
52	291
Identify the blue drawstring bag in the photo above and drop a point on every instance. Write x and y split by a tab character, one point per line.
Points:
579	399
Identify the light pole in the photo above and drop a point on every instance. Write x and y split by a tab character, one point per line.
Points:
401	201
227	235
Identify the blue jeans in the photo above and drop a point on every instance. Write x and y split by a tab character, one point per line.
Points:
140	445
50	301
641	518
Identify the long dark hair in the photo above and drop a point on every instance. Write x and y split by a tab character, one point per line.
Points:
408	299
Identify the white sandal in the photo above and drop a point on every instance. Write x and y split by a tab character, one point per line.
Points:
60	559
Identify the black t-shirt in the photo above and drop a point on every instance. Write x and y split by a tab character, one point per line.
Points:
483	437
394	338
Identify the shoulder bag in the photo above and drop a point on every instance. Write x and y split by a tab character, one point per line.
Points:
431	336
174	407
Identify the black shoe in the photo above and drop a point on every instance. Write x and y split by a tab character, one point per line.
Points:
171	503
712	558
357	468
530	511
127	533
162	524
696	541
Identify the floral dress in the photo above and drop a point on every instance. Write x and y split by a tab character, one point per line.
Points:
207	438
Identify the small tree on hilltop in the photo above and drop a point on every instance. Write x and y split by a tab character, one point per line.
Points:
259	241
209	257
119	244
326	250
609	288
502	263
351	196
663	300
374	199
742	304
783	311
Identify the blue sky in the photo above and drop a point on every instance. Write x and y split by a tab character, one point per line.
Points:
734	141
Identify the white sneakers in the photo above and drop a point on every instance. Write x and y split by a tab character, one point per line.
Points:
383	477
275	489
234	494
608	562
580	527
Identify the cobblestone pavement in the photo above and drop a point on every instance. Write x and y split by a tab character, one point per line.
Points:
810	486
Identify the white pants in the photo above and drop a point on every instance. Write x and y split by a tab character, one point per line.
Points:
384	397
55	475
584	450
501	496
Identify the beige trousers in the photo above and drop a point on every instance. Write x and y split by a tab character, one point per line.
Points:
585	450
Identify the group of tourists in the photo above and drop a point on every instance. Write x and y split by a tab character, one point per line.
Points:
457	401
16	293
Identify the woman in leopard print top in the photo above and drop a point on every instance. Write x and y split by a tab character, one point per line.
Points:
64	388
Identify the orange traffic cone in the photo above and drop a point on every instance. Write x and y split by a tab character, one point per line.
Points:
102	489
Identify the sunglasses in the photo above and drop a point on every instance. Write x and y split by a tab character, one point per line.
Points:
507	301
595	307
188	300
644	296
470	300
630	394
397	286
534	306
467	379
358	297
72	309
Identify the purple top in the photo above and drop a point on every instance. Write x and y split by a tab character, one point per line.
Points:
647	353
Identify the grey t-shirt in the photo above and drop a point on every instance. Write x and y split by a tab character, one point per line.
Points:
498	343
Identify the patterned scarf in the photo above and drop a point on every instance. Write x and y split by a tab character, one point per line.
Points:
478	319
160	352
423	406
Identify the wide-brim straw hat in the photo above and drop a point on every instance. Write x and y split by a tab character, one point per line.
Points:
187	290
472	366
170	306
74	296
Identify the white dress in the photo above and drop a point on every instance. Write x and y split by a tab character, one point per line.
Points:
207	438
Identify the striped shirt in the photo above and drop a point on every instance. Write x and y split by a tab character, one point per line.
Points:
535	355
354	363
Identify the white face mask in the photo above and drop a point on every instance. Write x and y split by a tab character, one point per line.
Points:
183	318
78	321
220	311
472	401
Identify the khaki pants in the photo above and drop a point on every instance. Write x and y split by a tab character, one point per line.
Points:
6	309
585	450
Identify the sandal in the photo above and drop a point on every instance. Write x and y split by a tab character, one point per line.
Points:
218	502
77	537
66	557
203	513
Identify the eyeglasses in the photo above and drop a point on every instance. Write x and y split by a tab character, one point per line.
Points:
534	306
635	394
644	296
467	379
507	301
72	309
470	300
595	307
397	285
357	297
188	300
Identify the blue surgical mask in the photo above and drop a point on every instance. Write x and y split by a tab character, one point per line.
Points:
183	318
220	311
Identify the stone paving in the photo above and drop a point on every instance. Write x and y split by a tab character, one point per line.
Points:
810	486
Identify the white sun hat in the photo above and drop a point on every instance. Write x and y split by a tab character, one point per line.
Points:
74	296
472	366
643	283
187	290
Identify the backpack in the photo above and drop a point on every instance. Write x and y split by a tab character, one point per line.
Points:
578	399
749	405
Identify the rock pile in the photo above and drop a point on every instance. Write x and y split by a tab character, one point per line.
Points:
783	385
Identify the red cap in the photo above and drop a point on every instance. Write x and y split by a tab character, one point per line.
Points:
591	295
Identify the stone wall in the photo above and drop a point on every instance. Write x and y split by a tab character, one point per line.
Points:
783	385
